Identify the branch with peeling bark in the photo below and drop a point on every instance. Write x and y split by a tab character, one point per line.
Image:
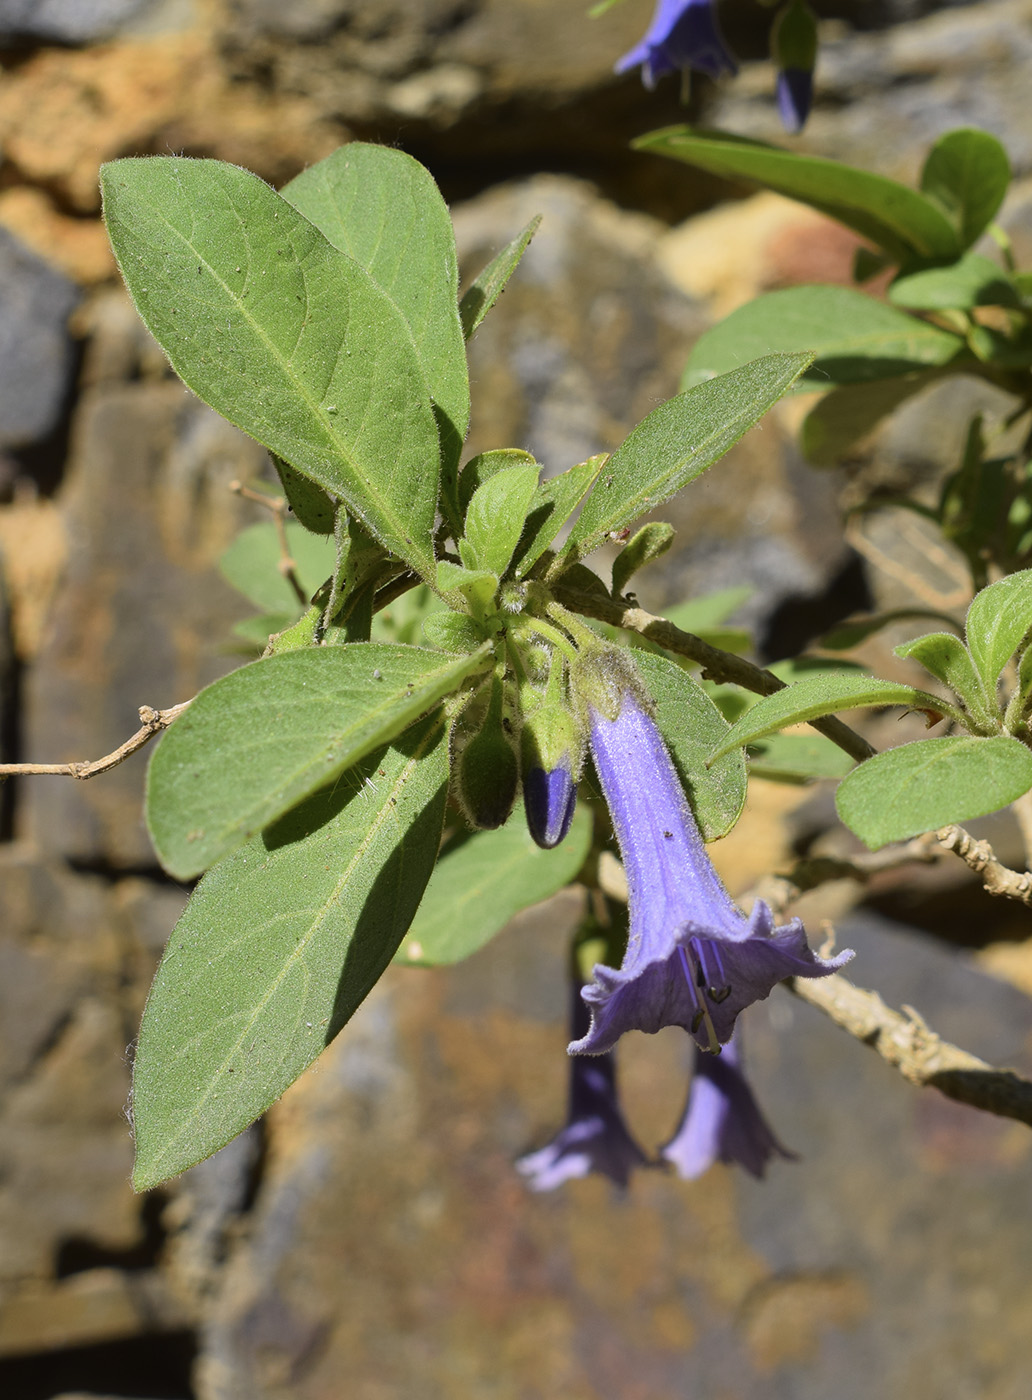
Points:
979	856
717	665
151	722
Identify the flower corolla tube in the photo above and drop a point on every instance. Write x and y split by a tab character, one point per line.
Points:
722	1121
693	958
683	34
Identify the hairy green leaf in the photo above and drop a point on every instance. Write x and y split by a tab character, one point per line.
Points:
930	783
948	659
283	334
998	618
551	506
496	516
677	442
825	694
278	946
259	740
485	289
477	888
973	280
906	224
853	337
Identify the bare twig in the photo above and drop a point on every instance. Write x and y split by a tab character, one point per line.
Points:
152	722
905	1041
279	506
979	856
717	665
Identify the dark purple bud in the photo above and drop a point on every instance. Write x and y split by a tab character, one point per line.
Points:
549	800
795	94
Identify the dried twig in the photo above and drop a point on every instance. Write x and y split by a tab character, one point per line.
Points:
980	857
903	1039
279	506
717	665
152	722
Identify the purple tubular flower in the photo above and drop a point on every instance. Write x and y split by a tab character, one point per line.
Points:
795	94
722	1120
693	959
595	1138
549	801
683	34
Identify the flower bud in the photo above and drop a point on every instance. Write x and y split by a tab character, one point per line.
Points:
551	753
488	770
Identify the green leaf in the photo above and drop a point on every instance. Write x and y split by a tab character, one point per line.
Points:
496	516
278	946
650	542
484	465
284	335
478	887
251	565
484	290
997	620
967	174
551	506
798	758
452	631
477	586
846	635
259	740
930	783
853	337
310	503
847	414
973	280
825	694
906	224
948	659
709	610
677	442
692	726
384	209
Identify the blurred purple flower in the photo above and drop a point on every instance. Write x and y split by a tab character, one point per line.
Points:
683	34
722	1120
693	959
595	1138
795	94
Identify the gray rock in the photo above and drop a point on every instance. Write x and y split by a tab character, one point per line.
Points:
66	21
35	350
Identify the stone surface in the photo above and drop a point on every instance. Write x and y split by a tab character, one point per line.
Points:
142	616
35	351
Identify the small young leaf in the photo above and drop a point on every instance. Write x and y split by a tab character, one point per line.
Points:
484	465
259	740
825	694
906	224
692	726
484	290
452	631
650	542
998	618
477	888
496	516
948	659
282	334
972	280
278	946
551	506
931	783
967	174
477	586
252	565
677	442
853	337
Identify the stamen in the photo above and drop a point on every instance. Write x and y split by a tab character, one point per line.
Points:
711	975
702	1016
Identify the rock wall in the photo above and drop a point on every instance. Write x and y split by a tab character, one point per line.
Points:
370	1239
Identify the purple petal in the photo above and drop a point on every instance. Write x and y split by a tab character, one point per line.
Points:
683	34
549	801
722	1121
693	959
795	95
